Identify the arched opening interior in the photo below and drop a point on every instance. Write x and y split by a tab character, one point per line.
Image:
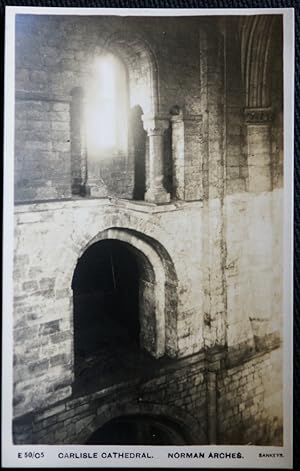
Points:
109	145
168	162
106	305
115	306
139	430
138	142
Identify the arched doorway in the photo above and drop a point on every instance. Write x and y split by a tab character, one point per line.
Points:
118	309
139	430
124	308
106	302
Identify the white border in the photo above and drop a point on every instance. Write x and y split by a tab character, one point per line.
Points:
160	459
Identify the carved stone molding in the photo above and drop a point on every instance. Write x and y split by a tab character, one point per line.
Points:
23	95
155	125
258	115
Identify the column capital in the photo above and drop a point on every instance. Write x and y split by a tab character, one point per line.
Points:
155	125
258	115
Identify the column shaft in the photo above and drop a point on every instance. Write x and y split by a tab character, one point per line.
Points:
155	128
258	122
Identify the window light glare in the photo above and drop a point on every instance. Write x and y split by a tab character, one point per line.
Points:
101	107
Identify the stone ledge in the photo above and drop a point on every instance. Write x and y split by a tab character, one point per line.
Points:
245	352
139	206
24	95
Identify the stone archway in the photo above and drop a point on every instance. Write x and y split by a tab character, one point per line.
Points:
142	67
154	291
140	88
181	427
139	429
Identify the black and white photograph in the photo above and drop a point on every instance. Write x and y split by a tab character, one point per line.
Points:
148	249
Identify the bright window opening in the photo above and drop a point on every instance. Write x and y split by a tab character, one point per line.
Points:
106	108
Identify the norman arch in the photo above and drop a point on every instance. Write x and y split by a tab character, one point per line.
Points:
100	169
124	256
182	427
142	68
256	34
261	39
138	429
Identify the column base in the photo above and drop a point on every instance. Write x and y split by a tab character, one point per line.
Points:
78	188
96	190
159	196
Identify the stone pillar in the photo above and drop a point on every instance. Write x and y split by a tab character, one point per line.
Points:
178	155
193	175
187	157
258	122
213	101
78	148
155	127
260	237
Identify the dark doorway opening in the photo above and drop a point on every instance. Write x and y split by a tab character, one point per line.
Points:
138	139
139	430
106	307
168	162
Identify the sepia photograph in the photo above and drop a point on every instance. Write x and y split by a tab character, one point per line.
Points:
147	261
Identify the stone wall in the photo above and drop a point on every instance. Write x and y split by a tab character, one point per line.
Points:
277	106
60	233
253	270
248	404
42	148
43	312
235	139
178	392
43	319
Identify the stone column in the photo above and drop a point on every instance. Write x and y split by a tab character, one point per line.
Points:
155	127
260	237
187	156
258	123
178	155
212	145
193	172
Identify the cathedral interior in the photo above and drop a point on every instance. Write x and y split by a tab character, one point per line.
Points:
148	188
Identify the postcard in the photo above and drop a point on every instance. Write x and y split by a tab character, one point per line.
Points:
148	186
